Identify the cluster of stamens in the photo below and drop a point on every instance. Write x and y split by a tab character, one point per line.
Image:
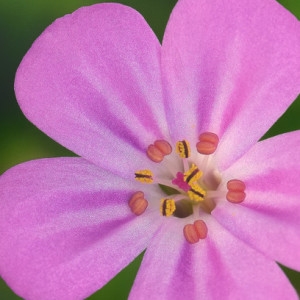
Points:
188	189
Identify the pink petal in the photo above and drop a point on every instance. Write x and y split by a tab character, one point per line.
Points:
231	69
66	228
269	218
219	267
92	82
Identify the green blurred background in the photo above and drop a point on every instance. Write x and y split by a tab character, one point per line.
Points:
21	22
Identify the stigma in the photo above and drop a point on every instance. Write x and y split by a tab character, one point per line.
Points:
193	190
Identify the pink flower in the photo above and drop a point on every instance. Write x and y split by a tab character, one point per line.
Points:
99	83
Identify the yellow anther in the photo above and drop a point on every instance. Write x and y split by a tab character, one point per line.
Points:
144	176
183	149
192	175
167	207
196	193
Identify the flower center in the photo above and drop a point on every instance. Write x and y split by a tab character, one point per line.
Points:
191	187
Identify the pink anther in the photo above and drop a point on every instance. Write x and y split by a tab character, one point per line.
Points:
236	191
201	229
163	146
190	233
155	154
208	143
236	185
157	151
138	203
194	232
235	197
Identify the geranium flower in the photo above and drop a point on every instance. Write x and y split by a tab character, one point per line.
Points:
169	155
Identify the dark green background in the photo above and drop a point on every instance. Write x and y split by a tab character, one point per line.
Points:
21	22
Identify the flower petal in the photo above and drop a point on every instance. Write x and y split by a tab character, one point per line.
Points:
230	68
66	228
219	267
269	218
92	82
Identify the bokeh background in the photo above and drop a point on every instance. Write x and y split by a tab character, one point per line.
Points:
21	22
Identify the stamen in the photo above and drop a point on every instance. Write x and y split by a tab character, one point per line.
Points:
144	176
208	143
192	175
194	232
201	229
236	191
190	233
235	197
157	151
236	185
167	207
183	149
164	147
196	193
185	164
138	203
154	154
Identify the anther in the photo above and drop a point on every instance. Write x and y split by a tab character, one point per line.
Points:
236	185
183	149
167	207
163	146
154	154
192	175
144	176
190	233
235	197
201	229
236	191
208	143
138	203
194	232
196	193
157	151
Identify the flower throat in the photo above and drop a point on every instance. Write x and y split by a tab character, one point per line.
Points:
189	189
